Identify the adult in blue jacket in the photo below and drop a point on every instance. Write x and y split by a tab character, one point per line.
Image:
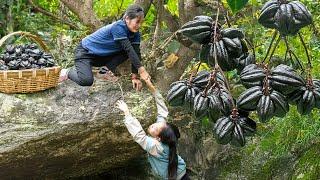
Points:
110	46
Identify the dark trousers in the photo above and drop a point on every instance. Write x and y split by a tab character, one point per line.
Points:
82	74
185	177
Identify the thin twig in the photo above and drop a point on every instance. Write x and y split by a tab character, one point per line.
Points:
226	16
47	13
297	59
168	40
198	67
286	54
269	48
122	94
292	53
224	77
214	45
193	73
215	55
251	46
215	36
274	48
288	49
306	50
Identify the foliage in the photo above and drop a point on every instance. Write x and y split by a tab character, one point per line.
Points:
236	5
111	8
172	6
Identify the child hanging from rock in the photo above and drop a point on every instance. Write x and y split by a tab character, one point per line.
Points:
161	144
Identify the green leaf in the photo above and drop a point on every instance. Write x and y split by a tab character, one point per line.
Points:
236	5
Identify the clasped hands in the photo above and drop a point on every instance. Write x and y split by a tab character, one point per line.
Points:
144	75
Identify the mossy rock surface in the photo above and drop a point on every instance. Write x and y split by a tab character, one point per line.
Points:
70	131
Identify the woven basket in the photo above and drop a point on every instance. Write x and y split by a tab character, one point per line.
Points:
29	80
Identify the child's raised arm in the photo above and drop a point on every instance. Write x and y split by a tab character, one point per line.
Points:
162	109
134	127
160	102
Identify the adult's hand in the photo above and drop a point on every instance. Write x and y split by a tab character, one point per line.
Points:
137	84
144	75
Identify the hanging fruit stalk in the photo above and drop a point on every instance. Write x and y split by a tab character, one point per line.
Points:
225	49
306	50
270	45
292	53
274	48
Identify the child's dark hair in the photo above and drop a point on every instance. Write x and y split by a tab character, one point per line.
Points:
134	11
169	136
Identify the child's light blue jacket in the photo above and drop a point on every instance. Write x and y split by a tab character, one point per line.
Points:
158	153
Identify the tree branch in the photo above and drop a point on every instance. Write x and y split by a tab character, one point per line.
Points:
170	20
145	4
84	11
190	7
47	13
182	11
157	30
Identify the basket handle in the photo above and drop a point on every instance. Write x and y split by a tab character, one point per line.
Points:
35	38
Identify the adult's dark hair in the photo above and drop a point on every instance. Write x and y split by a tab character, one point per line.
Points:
169	136
133	11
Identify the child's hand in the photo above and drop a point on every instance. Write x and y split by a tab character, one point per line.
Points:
150	86
123	107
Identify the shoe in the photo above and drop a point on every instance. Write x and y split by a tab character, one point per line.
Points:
105	74
63	75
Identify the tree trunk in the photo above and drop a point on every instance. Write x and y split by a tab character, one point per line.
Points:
167	76
181	11
9	19
157	31
185	54
145	4
84	11
190	7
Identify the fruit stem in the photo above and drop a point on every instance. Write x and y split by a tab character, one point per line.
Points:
270	45
306	50
190	78
286	55
292	53
215	35
297	59
309	78
274	48
198	67
234	113
211	82
282	1
226	16
251	46
193	73
218	68
266	88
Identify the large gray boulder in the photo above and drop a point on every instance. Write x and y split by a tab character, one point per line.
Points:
70	131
